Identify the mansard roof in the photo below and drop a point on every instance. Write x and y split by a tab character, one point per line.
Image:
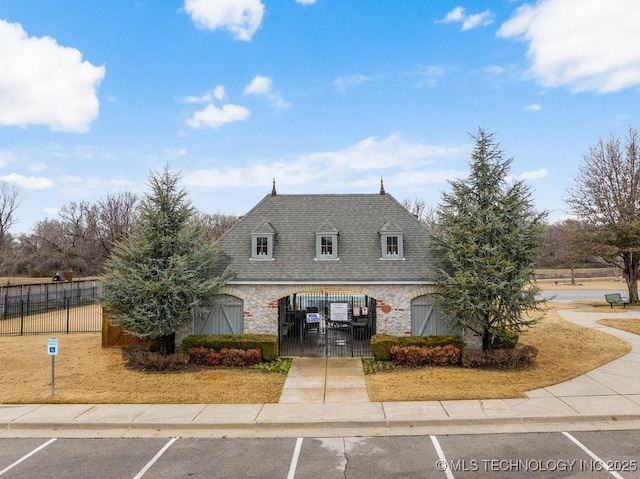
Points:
358	219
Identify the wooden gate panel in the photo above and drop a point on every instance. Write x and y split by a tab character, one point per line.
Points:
224	316
113	336
426	320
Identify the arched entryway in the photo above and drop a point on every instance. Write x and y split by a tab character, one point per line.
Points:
326	324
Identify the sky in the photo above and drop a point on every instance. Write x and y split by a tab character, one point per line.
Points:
322	96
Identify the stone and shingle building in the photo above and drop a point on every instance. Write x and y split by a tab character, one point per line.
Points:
297	253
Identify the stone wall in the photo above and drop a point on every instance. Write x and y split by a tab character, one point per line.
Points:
393	303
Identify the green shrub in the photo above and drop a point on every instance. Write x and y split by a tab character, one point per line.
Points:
519	357
279	366
502	338
266	343
381	344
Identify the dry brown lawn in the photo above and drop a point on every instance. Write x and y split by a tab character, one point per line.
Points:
566	350
87	373
629	325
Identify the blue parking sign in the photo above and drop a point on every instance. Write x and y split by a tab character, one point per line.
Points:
52	346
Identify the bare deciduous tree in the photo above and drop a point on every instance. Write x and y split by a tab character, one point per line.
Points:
418	208
10	199
215	225
563	246
81	239
606	197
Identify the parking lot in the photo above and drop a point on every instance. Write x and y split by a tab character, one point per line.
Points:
534	455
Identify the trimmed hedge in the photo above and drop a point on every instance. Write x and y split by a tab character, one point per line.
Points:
266	343
381	344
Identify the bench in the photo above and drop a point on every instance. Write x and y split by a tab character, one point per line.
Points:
614	299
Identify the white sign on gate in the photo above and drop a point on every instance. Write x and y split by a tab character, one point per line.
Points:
313	317
340	312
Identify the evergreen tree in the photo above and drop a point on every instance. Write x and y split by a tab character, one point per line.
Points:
156	276
488	237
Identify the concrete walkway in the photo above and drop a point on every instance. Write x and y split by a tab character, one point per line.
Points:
328	397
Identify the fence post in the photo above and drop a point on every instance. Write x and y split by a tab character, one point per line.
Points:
21	317
67	307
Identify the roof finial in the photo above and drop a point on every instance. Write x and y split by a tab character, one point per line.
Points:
273	190
382	192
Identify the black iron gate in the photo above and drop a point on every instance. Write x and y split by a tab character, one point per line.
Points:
326	324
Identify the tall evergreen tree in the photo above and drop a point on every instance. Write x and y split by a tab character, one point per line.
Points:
156	276
489	236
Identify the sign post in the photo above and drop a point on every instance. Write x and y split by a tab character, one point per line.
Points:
52	350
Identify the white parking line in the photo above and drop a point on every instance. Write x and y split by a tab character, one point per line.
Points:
155	458
442	465
605	466
27	456
294	459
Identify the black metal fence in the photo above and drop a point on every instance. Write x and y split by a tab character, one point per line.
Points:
343	325
45	309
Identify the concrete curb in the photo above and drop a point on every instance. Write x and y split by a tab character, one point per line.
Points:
318	428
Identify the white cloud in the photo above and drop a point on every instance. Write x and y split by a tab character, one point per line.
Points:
430	74
218	93
262	86
205	98
38	166
7	157
533	107
534	175
468	21
43	83
306	2
342	83
28	183
391	157
241	17
51	211
587	45
213	117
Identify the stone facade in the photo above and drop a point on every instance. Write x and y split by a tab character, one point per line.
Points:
393	303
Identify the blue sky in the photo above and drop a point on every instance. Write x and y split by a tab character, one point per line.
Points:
325	96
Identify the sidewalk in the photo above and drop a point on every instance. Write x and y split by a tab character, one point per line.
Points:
328	397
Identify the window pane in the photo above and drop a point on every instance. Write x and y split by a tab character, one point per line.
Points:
261	245
392	245
326	245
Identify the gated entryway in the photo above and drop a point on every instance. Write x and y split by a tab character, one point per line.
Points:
224	316
326	324
425	319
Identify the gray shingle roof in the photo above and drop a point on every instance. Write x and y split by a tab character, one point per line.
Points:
358	218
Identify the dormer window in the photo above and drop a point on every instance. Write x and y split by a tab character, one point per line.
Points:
391	241
262	245
262	241
392	246
327	242
326	245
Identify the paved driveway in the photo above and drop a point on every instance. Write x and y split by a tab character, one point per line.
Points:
570	295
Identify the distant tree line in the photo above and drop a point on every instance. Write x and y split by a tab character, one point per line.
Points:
81	238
